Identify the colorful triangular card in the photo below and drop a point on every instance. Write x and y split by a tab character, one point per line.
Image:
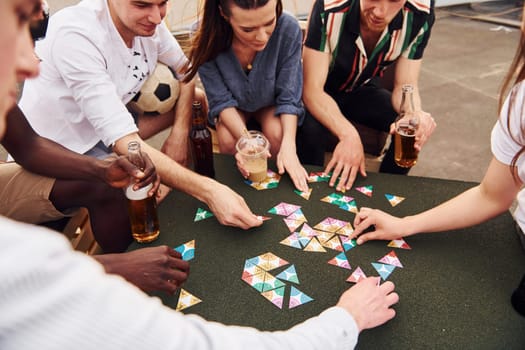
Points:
271	181
399	243
383	270
292	241
349	207
366	190
298	298
202	214
307	231
356	276
314	246
305	194
318	177
284	209
330	225
333	244
187	250
275	296
341	261
394	200
289	275
186	300
347	243
346	230
391	259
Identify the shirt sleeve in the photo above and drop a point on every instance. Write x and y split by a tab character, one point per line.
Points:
83	70
170	52
218	94
316	37
289	81
416	48
77	306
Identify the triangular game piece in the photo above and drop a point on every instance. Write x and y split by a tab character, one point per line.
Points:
324	236
284	209
202	214
399	243
298	298
186	300
391	259
289	275
307	231
394	200
255	281
270	282
269	261
330	225
251	269
346	230
271	181
187	250
314	246
347	243
333	244
356	276
297	215
305	194
292	224
292	241
318	177
341	261
349	207
304	241
331	198
383	270
276	296
366	190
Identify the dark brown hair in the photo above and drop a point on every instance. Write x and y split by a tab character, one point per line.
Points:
515	74
214	34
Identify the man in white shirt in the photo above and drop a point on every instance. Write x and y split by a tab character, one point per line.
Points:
95	57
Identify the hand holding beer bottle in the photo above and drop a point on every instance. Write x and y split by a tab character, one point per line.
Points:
142	209
406	126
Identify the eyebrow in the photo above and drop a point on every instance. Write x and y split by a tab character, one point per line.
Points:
264	25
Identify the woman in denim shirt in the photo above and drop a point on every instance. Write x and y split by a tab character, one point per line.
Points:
248	56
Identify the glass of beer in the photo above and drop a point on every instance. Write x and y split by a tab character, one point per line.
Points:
405	154
253	147
143	214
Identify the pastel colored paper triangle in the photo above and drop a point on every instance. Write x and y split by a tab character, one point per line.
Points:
356	276
341	261
349	207
276	296
289	275
298	298
284	209
314	246
252	269
271	181
394	200
346	230
187	250
202	214
333	244
255	281
366	190
318	177
292	224
269	261
331	198
186	300
292	241
304	241
270	283
297	215
391	259
347	243
330	225
323	237
304	194
383	270
399	243
307	231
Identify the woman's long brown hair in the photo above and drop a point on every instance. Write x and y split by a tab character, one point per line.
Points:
215	33
515	75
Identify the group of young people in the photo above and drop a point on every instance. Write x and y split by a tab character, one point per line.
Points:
250	57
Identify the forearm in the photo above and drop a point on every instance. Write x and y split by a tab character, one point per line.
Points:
233	121
289	127
183	109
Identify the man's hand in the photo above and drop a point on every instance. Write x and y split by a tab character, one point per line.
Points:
117	172
386	227
427	125
150	269
348	159
230	208
370	303
176	146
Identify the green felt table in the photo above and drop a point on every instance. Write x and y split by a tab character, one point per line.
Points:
454	288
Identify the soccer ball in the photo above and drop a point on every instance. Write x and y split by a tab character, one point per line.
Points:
158	94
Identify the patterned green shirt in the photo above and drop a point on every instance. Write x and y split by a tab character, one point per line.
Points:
334	28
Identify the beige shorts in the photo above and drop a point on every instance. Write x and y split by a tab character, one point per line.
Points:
24	196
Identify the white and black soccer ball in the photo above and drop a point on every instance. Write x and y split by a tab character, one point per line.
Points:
158	94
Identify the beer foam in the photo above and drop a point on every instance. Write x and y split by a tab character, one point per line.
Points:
139	194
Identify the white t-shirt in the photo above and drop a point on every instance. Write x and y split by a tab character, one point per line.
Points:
505	146
88	74
54	298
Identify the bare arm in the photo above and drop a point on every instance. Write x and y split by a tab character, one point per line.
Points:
323	107
287	159
492	197
228	206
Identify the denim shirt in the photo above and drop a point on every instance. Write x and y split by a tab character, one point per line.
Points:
276	77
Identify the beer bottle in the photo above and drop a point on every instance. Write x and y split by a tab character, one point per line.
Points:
201	143
406	125
142	209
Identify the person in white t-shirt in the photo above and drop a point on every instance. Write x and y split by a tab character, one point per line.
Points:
95	57
54	298
500	186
